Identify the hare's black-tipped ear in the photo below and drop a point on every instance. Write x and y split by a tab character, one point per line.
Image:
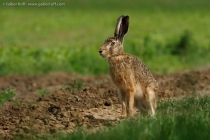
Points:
121	26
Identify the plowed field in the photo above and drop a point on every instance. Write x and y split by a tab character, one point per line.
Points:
75	101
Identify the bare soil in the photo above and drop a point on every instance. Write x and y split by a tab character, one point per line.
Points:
75	101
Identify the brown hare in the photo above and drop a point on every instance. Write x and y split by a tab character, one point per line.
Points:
135	83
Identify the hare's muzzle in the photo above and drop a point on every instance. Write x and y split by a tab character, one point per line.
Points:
100	52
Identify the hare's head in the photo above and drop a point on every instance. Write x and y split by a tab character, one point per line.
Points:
114	45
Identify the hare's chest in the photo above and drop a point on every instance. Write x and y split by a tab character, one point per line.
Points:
122	77
120	70
120	65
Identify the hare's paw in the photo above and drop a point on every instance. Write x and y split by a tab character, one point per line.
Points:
122	116
123	113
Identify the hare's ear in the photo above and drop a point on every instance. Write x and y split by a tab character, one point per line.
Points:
121	26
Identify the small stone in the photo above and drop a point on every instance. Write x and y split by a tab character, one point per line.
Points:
73	114
51	117
2	132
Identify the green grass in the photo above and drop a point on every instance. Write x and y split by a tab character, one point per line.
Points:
186	119
43	92
73	85
6	95
39	40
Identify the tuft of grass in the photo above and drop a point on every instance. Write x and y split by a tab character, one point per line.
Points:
77	84
187	118
74	85
7	95
43	91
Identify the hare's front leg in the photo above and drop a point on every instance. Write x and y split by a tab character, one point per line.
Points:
122	97
130	103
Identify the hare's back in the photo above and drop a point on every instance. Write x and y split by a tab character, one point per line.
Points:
141	72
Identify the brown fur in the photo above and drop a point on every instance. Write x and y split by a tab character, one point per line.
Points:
133	79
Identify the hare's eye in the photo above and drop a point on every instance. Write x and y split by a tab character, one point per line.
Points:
112	43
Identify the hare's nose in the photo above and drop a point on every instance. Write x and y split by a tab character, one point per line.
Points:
100	52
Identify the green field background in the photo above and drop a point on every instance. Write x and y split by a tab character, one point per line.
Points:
168	36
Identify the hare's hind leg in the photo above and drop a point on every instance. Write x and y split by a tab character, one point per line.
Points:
151	100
